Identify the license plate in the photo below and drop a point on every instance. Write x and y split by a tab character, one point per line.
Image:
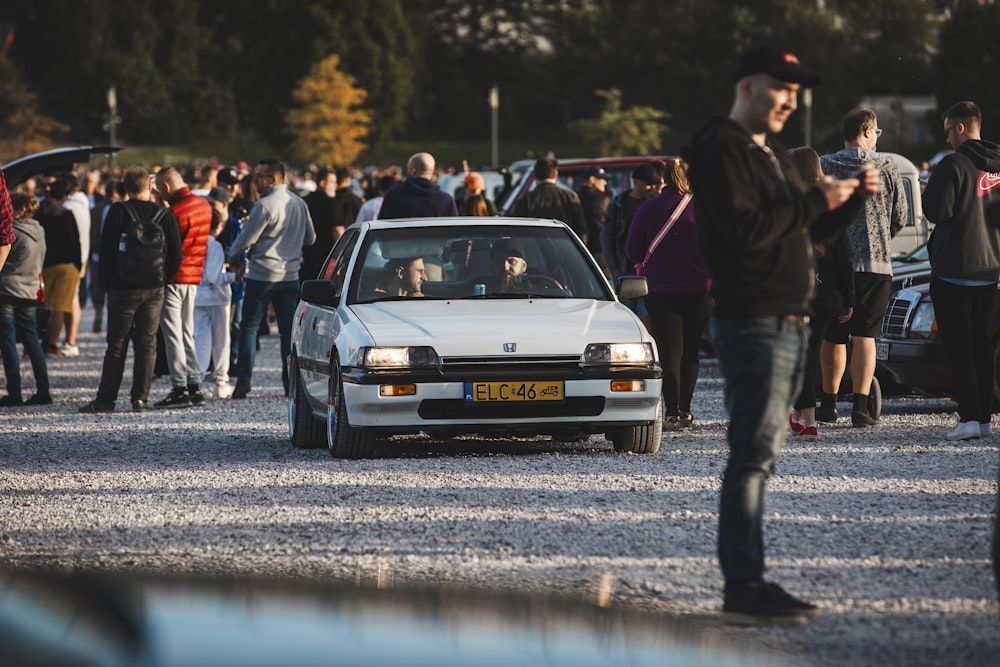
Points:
502	392
881	351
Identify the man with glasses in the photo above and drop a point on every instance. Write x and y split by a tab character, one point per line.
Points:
964	249
275	233
870	235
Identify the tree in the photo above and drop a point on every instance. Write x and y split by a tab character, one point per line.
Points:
327	122
23	130
637	130
966	56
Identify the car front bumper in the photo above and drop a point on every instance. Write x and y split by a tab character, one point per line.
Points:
921	364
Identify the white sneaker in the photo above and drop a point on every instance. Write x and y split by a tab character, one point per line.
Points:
223	390
964	431
70	350
985	430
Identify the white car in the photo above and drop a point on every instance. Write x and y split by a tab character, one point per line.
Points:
550	352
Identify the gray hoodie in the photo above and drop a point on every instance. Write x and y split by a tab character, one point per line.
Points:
870	234
278	226
19	277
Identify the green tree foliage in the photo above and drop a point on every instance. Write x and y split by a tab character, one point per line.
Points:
637	130
23	129
327	121
966	57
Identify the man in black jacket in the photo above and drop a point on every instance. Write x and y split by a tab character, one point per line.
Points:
418	196
755	222
549	200
133	309
964	249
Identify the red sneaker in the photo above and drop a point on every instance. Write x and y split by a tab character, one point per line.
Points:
794	425
809	433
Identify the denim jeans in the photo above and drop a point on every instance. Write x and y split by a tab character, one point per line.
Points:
14	321
285	297
135	314
963	315
762	360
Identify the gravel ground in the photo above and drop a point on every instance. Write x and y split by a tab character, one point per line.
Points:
887	529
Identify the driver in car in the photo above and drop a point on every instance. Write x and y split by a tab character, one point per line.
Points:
510	269
403	277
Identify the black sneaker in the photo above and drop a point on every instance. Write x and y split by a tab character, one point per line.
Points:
194	391
242	389
177	398
140	405
96	406
39	399
764	603
11	401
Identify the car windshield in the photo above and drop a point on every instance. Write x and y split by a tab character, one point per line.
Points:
462	262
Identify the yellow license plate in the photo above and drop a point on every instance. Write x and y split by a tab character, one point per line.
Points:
501	392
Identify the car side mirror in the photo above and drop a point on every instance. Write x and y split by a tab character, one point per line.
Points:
319	292
630	288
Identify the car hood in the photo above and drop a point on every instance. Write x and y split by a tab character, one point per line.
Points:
483	327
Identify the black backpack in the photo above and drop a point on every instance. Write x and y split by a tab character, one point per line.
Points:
142	249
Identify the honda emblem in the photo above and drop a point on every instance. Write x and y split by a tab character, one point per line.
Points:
510	347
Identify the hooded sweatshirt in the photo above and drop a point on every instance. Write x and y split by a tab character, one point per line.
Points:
962	199
872	230
757	222
417	198
19	277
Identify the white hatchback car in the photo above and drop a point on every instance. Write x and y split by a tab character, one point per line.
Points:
432	325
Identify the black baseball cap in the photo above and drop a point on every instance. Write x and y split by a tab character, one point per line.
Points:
779	62
596	172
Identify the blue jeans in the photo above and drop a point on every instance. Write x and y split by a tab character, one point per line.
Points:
14	321
285	297
762	360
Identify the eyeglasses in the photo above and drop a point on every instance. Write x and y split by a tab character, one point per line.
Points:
948	129
878	132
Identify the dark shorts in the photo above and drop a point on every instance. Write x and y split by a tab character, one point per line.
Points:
871	298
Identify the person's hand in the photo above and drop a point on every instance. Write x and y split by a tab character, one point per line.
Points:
241	269
846	316
871	181
837	190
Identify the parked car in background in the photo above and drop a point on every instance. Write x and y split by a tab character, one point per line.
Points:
912	268
553	353
917	230
619	171
908	346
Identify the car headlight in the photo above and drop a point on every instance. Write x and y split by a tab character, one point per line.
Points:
618	353
923	319
400	357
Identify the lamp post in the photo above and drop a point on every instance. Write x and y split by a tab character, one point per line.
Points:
112	120
807	104
494	125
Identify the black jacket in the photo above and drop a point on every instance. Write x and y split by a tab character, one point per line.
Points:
114	227
755	222
62	236
962	199
417	198
548	200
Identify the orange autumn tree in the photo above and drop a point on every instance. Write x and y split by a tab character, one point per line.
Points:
327	121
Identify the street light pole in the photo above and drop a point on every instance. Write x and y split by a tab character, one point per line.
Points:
807	103
494	126
113	119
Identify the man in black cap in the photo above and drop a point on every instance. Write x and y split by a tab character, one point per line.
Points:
756	224
549	200
594	197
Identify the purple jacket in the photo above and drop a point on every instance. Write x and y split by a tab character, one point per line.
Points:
676	265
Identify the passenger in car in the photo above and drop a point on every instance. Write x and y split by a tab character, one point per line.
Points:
510	269
403	277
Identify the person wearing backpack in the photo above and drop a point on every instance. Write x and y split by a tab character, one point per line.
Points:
140	252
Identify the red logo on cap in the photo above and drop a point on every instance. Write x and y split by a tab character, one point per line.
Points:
790	58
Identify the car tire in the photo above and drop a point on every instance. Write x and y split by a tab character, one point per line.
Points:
304	430
345	441
643	439
875	398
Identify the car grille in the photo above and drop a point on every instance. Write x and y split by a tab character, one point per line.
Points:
537	367
449	408
895	324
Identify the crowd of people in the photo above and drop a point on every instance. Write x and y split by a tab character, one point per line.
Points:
785	255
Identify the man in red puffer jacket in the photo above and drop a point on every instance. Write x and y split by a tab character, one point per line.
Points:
194	218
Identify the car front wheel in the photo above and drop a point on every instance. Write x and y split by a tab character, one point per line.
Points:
344	440
638	439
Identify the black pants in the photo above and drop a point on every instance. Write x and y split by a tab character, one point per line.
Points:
678	321
963	316
135	314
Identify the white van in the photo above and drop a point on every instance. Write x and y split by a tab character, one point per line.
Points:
917	229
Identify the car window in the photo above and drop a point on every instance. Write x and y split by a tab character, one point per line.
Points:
339	261
463	263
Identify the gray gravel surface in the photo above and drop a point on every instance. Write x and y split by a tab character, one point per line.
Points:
887	529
